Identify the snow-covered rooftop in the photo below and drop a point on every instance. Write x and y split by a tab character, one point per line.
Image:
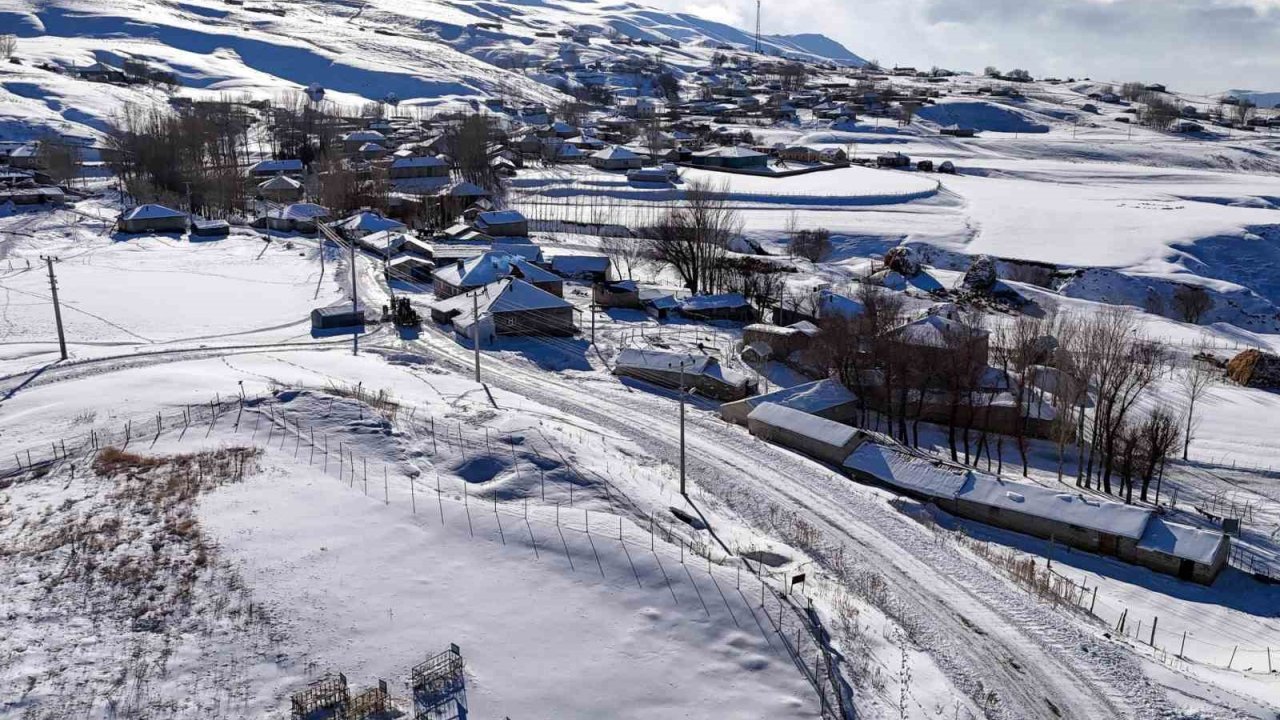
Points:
900	469
151	212
491	267
1181	541
827	432
1058	505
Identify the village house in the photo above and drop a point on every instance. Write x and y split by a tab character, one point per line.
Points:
465	275
298	217
933	338
152	219
410	268
417	166
893	160
281	189
367	222
693	372
270	168
354	140
26	157
821	439
506	307
616	158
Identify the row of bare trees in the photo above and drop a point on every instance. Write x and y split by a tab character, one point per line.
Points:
193	158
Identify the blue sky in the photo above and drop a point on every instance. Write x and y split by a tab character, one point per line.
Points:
1193	45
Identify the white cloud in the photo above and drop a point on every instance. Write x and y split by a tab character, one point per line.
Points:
1197	45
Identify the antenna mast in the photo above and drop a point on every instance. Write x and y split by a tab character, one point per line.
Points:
757	26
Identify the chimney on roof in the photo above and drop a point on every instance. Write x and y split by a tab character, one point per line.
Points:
460	264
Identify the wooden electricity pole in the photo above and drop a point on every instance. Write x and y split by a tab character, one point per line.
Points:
57	309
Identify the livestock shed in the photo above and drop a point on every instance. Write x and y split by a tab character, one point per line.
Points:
488	268
621	294
337	316
824	398
731	158
674	370
776	341
509	306
658	304
819	438
730	306
201	227
594	268
152	218
502	223
418	166
1133	534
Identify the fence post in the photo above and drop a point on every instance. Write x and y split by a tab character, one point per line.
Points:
386	488
1154	622
1183	647
1233	656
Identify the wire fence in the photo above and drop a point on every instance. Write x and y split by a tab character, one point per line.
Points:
591	508
1169	644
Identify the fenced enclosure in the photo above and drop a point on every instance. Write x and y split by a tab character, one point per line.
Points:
439	687
719	580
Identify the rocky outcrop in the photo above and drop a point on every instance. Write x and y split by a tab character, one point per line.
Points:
1255	369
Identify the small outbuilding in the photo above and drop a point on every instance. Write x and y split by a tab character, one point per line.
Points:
281	189
819	438
694	372
502	223
824	398
729	306
337	316
152	218
593	268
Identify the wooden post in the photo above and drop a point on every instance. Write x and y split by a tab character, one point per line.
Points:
1183	647
1154	622
1233	656
386	488
1095	599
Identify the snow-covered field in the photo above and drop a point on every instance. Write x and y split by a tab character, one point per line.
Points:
388	505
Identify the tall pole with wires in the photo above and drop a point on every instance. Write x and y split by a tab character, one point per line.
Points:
355	302
682	428
475	329
57	309
757	26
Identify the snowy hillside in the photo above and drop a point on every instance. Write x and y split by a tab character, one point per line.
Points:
425	52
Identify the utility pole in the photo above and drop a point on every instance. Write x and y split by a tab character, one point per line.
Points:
57	310
682	428
475	329
355	302
757	27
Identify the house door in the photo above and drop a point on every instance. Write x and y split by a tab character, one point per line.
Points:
1186	569
1107	544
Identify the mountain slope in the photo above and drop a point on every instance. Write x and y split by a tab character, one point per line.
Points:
426	52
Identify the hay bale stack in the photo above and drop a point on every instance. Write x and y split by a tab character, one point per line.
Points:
1255	369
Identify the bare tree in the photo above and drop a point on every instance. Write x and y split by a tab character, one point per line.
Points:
629	254
1244	111
693	237
1125	366
60	159
812	244
8	45
1159	435
1196	380
1192	302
